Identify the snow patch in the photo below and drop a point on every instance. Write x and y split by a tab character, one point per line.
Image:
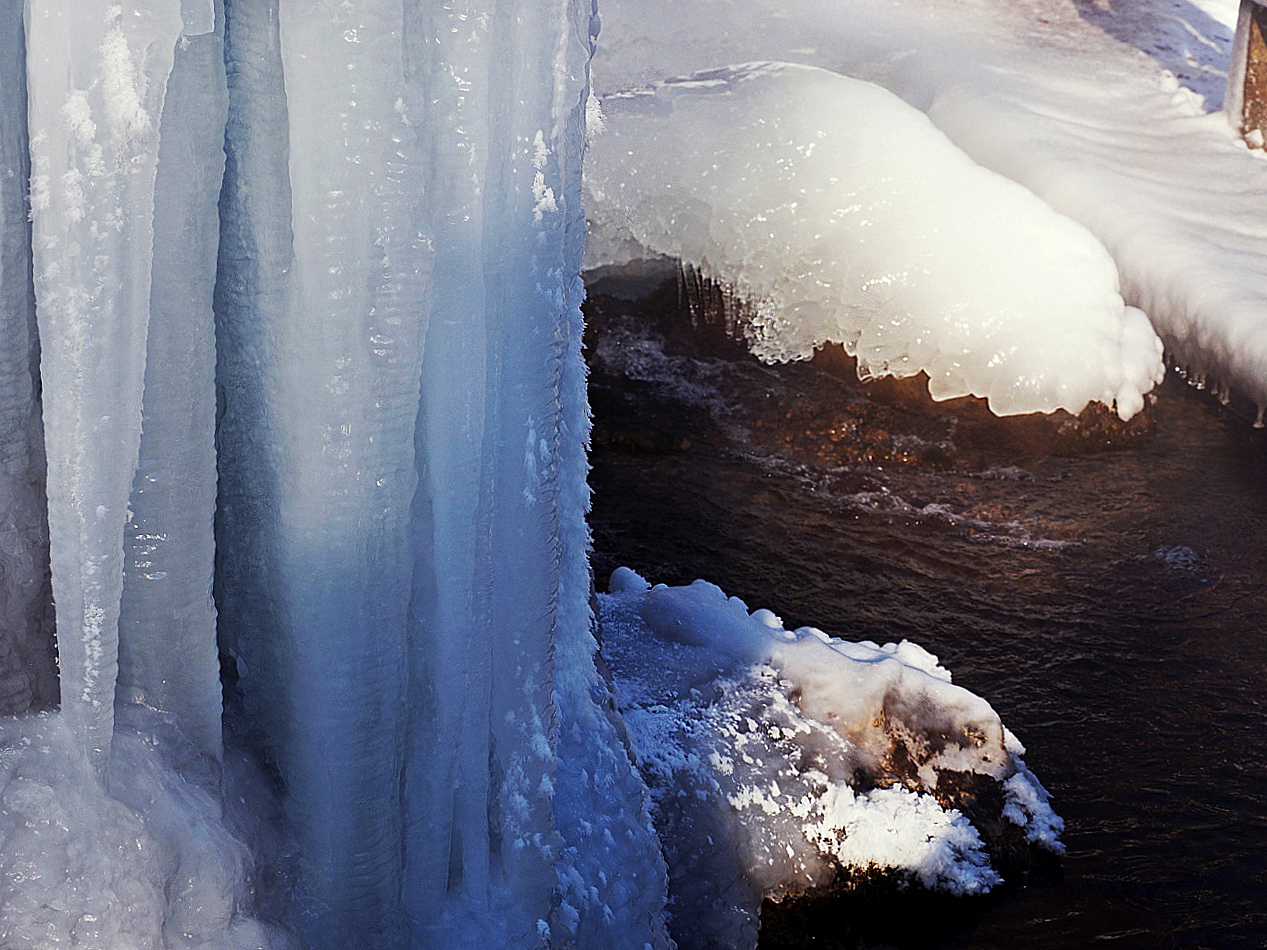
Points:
842	214
776	758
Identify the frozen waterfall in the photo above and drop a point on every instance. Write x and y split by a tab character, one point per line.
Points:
323	259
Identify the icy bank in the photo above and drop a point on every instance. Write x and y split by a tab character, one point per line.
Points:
1104	112
845	216
778	759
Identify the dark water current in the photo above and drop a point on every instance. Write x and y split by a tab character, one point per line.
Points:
1103	586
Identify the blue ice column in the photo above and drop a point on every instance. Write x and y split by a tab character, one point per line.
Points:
28	676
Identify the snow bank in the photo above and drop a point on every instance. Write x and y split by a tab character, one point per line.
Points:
846	216
1179	202
775	758
1107	112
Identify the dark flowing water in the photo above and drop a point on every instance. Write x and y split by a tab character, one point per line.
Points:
1103	586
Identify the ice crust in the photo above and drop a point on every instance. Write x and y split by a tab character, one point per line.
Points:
1108	113
152	864
844	215
776	758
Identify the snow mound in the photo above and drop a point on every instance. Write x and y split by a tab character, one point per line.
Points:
777	758
151	864
842	214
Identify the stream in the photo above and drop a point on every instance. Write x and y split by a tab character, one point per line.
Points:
1103	585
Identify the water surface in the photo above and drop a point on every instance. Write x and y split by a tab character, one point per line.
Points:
1103	586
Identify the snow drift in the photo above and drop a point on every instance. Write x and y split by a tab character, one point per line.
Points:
1108	112
844	215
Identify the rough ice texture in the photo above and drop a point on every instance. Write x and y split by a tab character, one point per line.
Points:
776	758
611	876
377	209
151	865
1109	113
844	215
406	213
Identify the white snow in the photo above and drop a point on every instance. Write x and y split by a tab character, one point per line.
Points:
775	757
844	215
1098	109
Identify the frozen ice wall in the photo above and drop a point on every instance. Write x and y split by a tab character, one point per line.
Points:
306	278
402	553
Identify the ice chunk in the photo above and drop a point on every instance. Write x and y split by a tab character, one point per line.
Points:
843	215
777	758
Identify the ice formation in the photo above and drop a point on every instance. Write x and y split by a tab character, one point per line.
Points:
844	215
777	759
328	254
28	674
1107	112
292	317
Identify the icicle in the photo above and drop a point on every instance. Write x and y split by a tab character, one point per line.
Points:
168	658
28	675
96	82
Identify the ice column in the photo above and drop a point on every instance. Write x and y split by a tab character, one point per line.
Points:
611	873
96	74
401	544
346	402
28	676
320	309
167	629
